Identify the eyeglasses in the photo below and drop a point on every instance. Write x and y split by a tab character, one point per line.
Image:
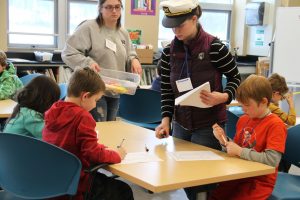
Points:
111	7
283	96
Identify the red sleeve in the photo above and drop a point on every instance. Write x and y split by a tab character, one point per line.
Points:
87	139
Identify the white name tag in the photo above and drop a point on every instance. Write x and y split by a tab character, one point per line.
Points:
111	45
184	85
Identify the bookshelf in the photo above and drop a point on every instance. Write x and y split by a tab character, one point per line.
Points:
149	73
25	63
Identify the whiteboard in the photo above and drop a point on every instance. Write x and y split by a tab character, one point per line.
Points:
286	60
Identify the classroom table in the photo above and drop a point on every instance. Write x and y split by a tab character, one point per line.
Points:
6	107
170	174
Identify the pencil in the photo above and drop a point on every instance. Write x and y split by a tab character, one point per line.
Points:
225	142
119	146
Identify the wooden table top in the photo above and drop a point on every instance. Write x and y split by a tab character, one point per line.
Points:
170	174
6	108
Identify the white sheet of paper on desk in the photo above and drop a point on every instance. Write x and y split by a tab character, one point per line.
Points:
140	157
194	155
192	98
18	60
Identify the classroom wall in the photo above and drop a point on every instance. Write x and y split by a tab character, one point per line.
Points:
259	37
244	36
3	25
290	3
148	24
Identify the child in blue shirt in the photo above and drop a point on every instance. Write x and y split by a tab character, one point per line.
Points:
33	101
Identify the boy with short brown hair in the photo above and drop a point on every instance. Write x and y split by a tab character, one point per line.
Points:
69	125
260	137
280	92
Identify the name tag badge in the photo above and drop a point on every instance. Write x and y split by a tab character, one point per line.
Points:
184	85
111	45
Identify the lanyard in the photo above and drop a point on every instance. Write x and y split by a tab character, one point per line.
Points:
185	63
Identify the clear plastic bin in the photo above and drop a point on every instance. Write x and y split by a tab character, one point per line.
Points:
43	56
120	82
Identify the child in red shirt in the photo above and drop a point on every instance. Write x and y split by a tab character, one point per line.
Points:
260	137
69	125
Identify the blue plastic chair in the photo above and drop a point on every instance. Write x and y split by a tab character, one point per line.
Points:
287	185
237	110
142	109
63	90
33	169
224	81
27	78
230	126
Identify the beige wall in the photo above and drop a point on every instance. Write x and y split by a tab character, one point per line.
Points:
290	3
244	36
294	3
148	24
3	22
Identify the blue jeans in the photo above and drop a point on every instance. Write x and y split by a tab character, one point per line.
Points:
106	109
203	136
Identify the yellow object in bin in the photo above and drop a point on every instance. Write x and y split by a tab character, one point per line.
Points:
120	82
116	89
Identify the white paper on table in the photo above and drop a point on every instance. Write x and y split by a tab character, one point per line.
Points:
194	155
192	98
140	157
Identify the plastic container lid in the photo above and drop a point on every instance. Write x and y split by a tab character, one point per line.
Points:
43	56
120	82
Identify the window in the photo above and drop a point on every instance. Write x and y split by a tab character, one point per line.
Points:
215	19
32	23
216	23
80	11
46	24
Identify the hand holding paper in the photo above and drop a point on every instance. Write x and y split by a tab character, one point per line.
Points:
192	98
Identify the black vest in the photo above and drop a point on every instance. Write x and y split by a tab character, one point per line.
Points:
200	71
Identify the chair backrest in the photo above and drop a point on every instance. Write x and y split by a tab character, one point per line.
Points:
230	126
31	168
143	107
27	78
63	90
292	146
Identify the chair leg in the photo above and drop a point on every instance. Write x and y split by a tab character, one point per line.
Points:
89	189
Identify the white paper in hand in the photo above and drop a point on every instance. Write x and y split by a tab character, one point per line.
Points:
192	98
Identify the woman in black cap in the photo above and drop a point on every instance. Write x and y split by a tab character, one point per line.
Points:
193	58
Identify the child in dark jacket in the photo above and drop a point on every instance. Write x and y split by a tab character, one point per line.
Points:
69	125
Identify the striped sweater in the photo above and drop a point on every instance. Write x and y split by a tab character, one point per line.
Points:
221	58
